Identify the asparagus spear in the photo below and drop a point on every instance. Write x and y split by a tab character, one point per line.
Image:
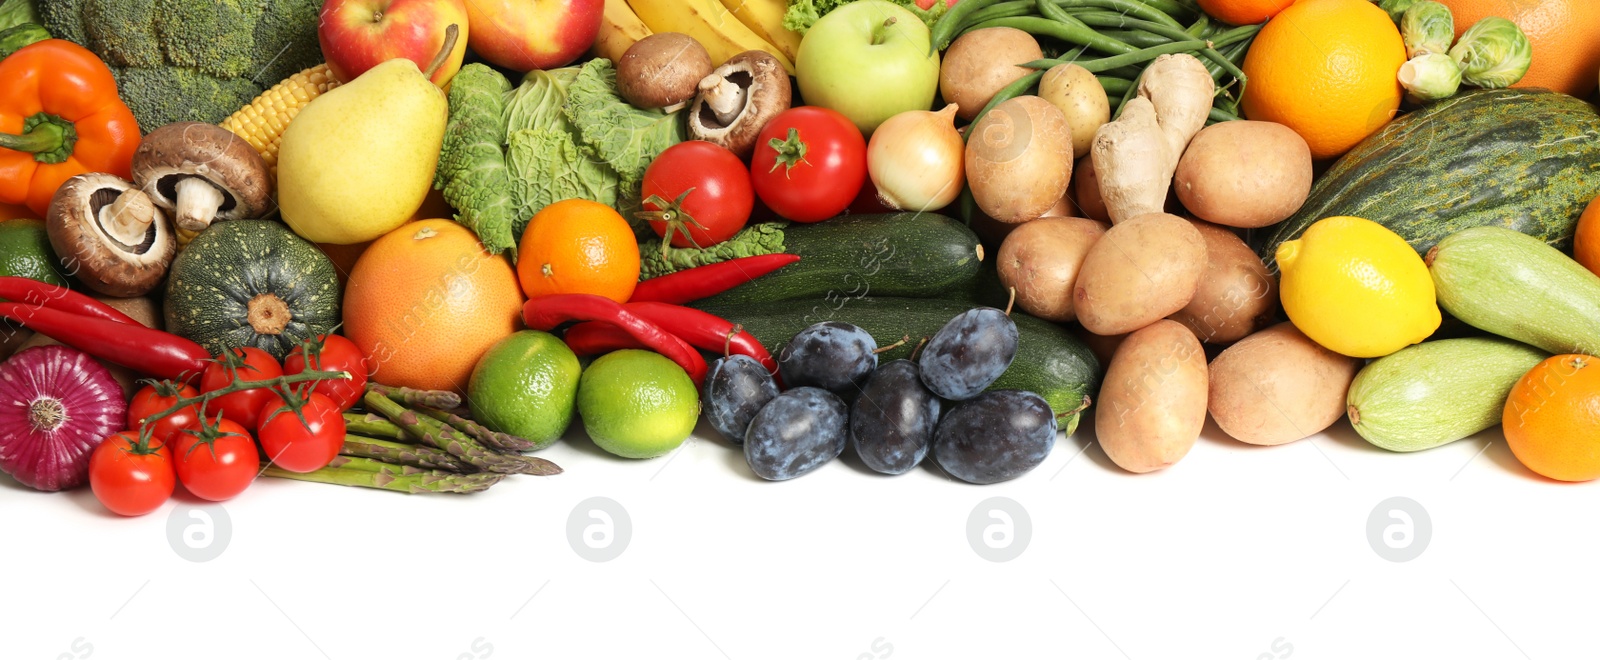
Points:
353	472
399	453
411	398
375	426
435	434
504	442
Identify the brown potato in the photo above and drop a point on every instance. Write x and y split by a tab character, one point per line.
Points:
1142	270
1236	295
1018	160
1041	259
1278	386
1244	173
982	62
1153	400
1086	191
1081	98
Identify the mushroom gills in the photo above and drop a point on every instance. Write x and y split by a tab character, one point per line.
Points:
124	216
726	97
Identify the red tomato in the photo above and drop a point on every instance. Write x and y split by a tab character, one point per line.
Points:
332	353
158	398
809	163
129	478
216	460
299	446
249	364
700	193
928	4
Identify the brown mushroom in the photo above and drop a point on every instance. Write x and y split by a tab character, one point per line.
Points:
201	173
109	235
662	71
738	99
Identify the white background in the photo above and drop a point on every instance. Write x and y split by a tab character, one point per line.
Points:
1236	552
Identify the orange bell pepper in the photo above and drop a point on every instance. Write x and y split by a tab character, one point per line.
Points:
59	117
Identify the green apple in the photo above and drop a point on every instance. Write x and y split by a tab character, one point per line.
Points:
869	60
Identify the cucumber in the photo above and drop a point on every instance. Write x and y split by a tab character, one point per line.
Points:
1437	392
1050	361
915	255
1516	286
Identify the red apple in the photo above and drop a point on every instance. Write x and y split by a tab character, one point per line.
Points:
523	35
357	35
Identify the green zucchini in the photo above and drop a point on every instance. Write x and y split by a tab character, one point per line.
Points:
1515	286
915	255
1524	159
1437	392
1050	361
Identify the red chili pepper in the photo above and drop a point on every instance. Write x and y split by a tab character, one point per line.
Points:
708	280
145	350
596	337
703	331
41	294
547	312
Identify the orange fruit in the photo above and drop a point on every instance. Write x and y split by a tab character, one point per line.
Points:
1243	12
1566	52
1586	242
1551	417
425	301
578	246
1327	69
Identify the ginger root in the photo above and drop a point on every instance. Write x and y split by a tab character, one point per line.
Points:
1136	156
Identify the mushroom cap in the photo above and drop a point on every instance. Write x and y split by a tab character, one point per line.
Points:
766	93
80	222
662	70
193	149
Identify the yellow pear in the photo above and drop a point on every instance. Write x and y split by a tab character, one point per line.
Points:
358	160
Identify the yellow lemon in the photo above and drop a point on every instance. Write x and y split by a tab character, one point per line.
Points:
1357	288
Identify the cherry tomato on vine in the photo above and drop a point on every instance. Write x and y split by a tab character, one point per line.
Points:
697	194
248	364
131	478
299	446
151	400
216	460
332	353
809	164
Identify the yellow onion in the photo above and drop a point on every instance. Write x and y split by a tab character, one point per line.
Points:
916	158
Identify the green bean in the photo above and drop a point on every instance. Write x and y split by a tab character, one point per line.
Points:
1008	9
948	26
1200	27
1177	9
1218	115
1011	91
1106	19
1115	86
1136	38
1045	27
1127	95
1118	61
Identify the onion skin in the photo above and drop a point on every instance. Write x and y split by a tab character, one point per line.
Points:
917	160
56	458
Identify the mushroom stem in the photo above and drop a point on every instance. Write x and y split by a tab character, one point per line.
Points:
725	98
129	216
197	205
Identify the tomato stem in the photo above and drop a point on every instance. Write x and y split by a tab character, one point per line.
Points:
791	151
673	216
279	383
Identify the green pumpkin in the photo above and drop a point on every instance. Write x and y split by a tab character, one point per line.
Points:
251	283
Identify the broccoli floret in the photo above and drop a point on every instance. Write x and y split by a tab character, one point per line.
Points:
123	32
217	37
64	19
286	40
162	95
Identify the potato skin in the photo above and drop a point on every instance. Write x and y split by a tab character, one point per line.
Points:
1081	98
1041	259
1236	295
1142	270
982	62
1277	386
1086	191
1244	173
1019	159
1153	401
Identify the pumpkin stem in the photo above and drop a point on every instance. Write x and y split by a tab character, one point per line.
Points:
268	314
47	414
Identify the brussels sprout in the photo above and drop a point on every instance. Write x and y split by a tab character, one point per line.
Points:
1396	8
1430	77
1493	54
1427	27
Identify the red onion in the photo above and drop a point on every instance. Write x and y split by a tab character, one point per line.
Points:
56	404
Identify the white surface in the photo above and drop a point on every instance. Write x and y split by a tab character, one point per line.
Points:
1236	552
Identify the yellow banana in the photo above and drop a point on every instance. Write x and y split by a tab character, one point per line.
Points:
765	18
619	29
709	23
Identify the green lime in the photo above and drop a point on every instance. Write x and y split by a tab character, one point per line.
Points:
637	404
25	252
524	385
